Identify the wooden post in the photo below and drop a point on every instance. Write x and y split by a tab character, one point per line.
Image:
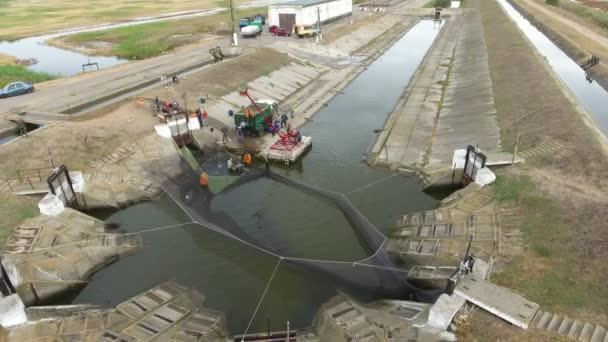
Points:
515	149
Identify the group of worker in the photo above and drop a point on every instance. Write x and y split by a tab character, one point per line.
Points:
232	166
237	166
166	108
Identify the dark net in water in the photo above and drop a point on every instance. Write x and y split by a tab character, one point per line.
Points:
376	274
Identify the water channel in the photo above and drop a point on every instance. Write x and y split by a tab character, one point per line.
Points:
591	95
62	62
293	223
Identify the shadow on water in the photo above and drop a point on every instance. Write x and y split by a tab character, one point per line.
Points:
333	209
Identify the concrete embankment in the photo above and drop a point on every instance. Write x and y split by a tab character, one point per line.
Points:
48	256
168	312
599	73
449	105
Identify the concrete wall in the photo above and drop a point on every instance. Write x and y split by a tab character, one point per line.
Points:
328	11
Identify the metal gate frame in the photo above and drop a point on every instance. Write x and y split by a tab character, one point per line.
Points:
474	161
56	177
181	139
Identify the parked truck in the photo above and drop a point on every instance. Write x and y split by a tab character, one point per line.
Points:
305	30
254	123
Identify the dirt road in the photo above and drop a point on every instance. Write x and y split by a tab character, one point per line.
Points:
598	38
68	93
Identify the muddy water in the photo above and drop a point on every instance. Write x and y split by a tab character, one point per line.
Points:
233	275
590	94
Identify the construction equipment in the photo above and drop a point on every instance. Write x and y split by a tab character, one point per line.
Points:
287	141
254	117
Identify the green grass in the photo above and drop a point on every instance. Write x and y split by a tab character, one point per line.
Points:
512	190
13	73
149	40
13	210
438	3
598	17
545	275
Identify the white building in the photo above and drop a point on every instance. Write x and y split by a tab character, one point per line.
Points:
306	12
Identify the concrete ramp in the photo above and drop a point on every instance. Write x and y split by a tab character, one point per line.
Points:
501	302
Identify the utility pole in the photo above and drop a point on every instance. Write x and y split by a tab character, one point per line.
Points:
319	37
233	40
515	149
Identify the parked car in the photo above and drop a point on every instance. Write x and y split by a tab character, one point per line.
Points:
279	31
244	22
251	31
259	19
16	88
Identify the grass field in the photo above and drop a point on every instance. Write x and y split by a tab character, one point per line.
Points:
546	274
11	72
22	18
149	40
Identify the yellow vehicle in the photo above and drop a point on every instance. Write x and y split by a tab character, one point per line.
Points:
304	30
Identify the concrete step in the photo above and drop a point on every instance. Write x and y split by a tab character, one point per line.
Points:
544	321
554	324
586	332
599	334
575	329
564	328
537	318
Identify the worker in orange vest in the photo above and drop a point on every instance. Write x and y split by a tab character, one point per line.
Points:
204	179
247	159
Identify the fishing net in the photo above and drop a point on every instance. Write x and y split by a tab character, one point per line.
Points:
375	274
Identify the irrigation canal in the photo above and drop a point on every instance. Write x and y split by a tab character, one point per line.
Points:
234	275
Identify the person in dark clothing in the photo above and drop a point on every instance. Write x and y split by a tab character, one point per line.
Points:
284	121
225	135
199	116
157	104
22	127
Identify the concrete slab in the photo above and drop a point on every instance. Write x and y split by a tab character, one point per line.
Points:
443	310
500	301
501	158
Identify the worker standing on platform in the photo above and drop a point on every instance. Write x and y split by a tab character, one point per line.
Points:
199	116
225	135
247	159
239	134
291	111
205	118
284	121
22	127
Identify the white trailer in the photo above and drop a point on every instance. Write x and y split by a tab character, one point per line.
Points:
307	12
